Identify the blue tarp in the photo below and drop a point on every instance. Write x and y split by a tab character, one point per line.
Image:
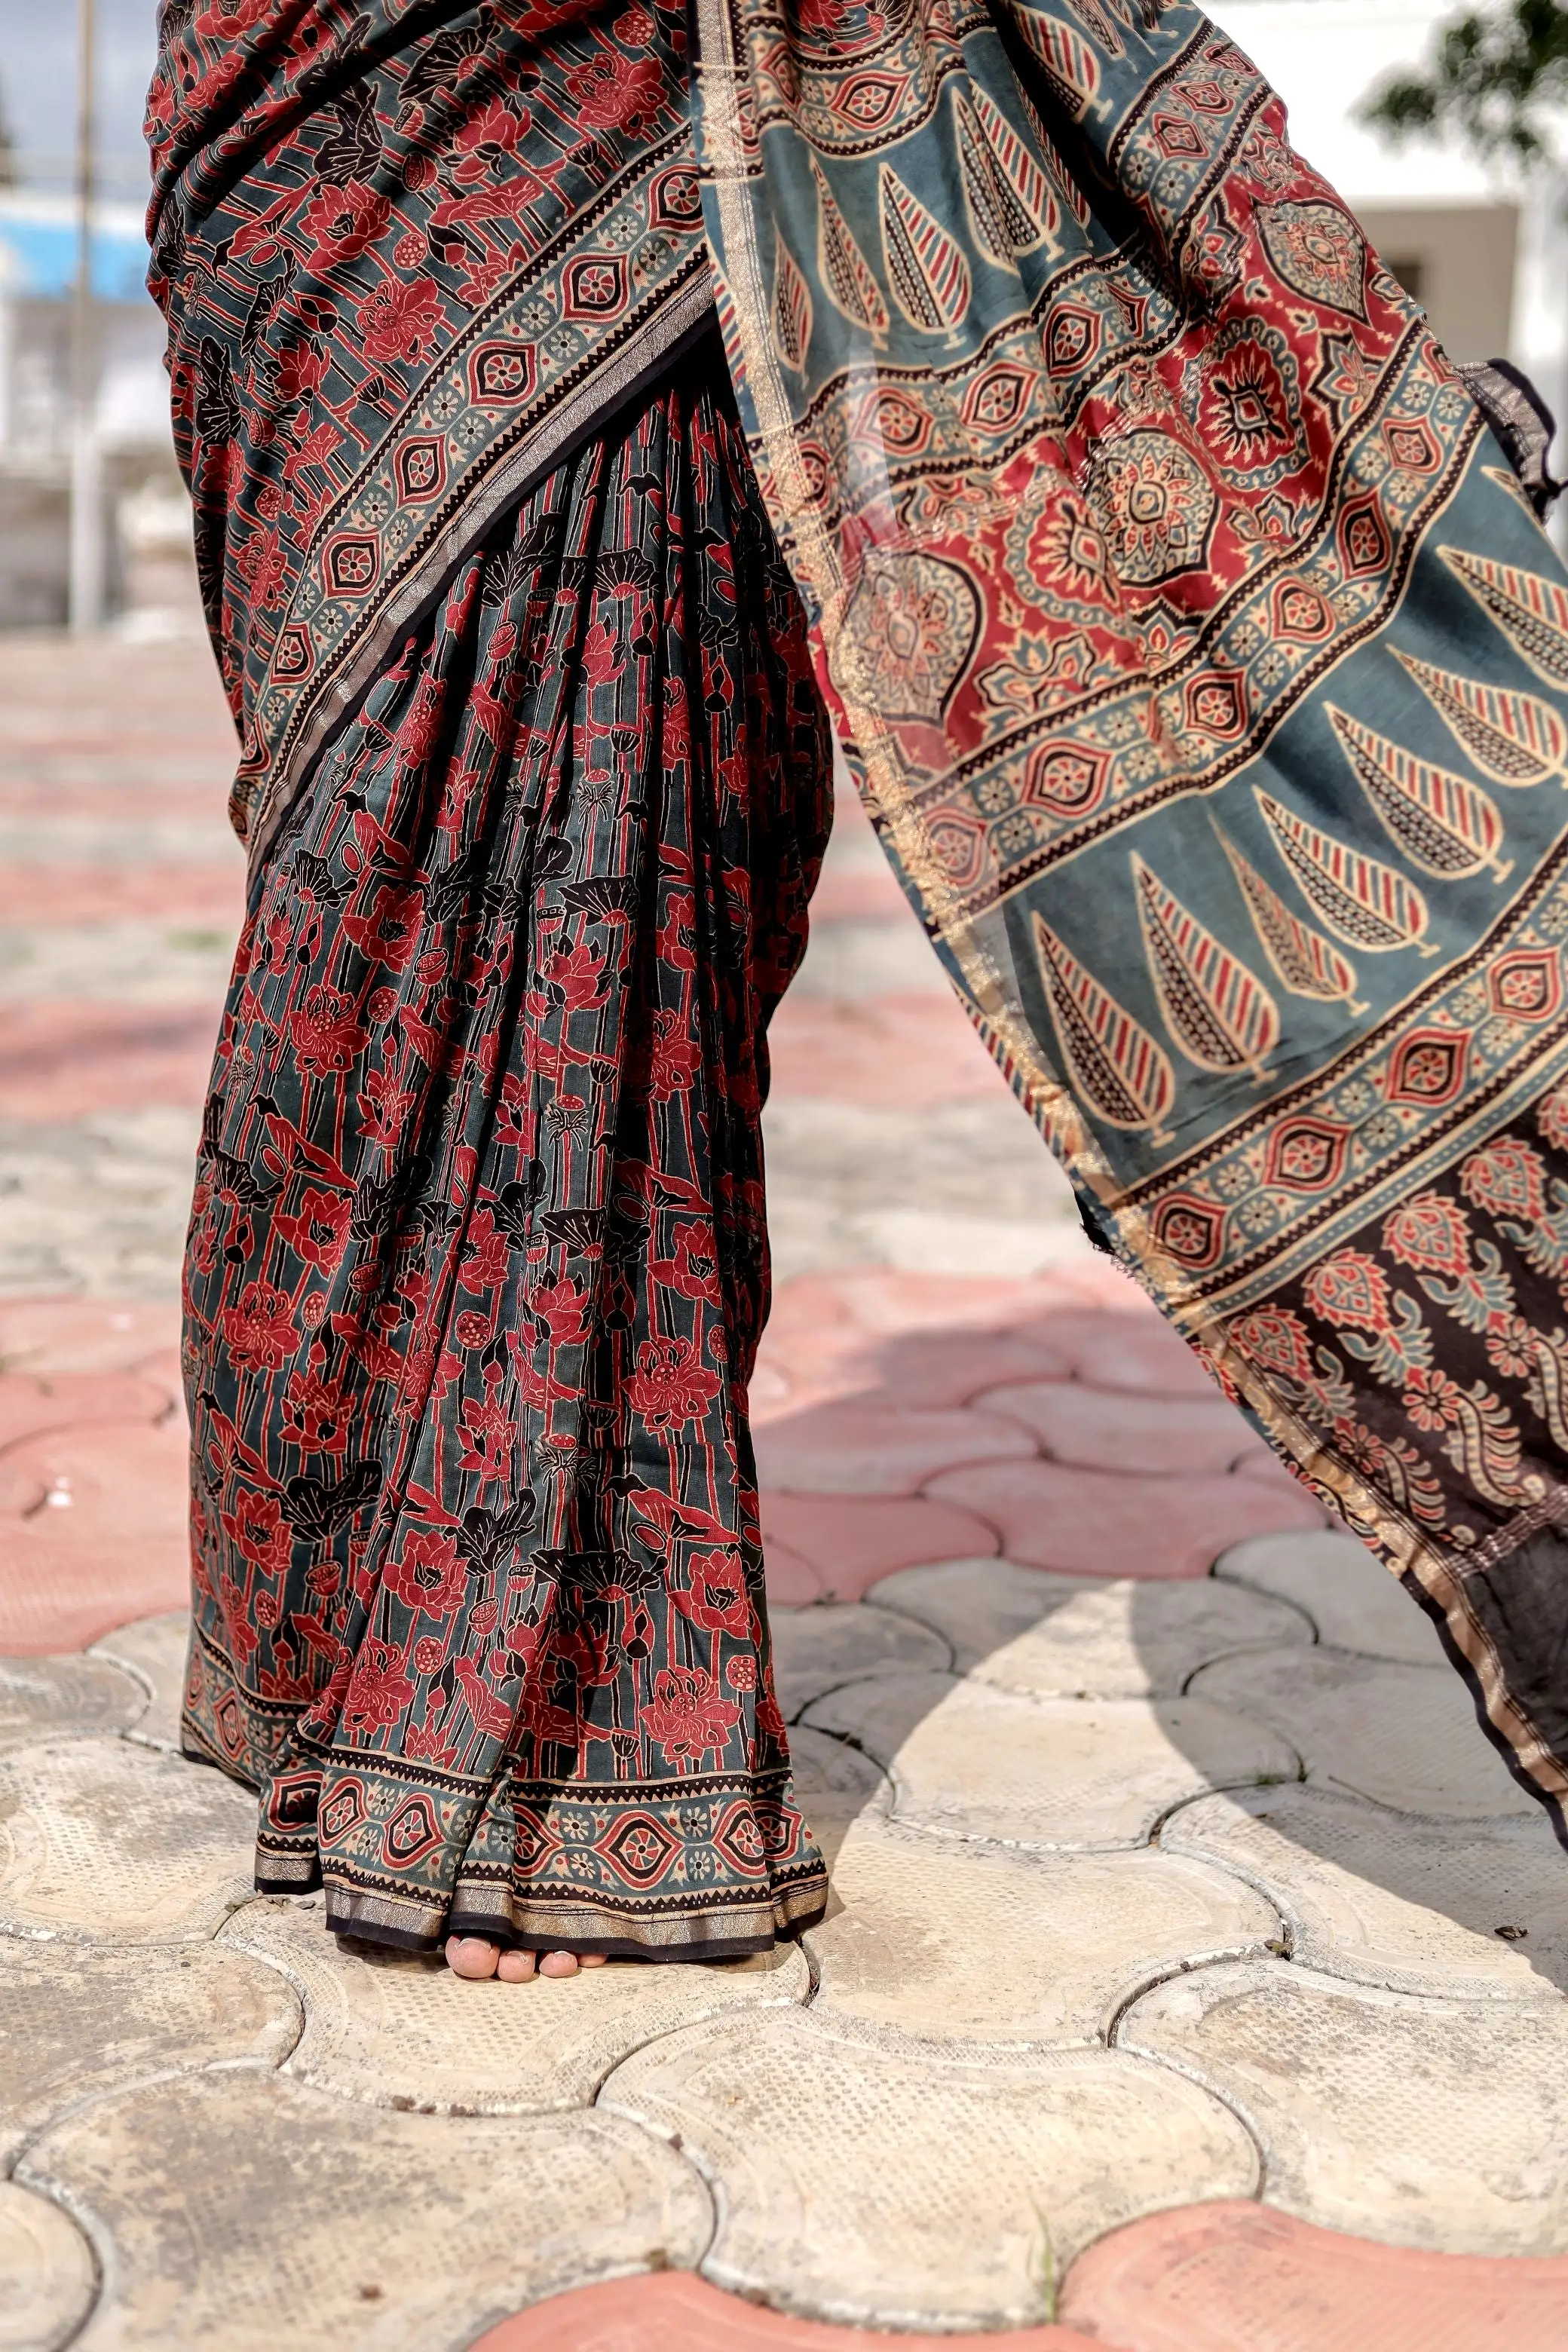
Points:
42	250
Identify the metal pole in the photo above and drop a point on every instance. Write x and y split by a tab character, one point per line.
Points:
87	549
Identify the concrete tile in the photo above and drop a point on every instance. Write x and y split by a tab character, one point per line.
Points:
850	1448
1354	1600
76	2022
969	1942
1402	1736
154	1650
133	959
93	1522
102	1842
1241	2278
226	2200
848	1541
678	2313
928	1369
390	2031
835	1785
1005	2166
1081	1637
32	1402
1441	2123
1391	1900
1062	1774
815	1650
47	2276
1091	1523
45	1335
60	1698
98	1201
209	895
1131	1433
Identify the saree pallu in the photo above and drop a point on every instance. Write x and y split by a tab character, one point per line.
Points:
1204	670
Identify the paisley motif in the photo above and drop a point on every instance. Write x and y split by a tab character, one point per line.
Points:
909	630
1156	506
1319	252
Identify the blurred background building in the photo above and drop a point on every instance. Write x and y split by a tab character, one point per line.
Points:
1483	246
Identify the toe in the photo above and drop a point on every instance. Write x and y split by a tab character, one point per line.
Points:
515	1967
591	1960
558	1964
471	1957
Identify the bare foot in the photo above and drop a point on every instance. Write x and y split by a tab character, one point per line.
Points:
473	1958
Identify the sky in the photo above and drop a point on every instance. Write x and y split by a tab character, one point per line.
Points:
37	87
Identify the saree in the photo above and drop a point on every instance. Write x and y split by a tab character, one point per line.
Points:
1205	674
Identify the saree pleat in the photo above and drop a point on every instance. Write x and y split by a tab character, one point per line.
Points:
478	1261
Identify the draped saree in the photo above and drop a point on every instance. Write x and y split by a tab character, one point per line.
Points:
1205	674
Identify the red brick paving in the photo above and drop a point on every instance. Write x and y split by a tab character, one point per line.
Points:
855	1448
62	1061
848	1541
1237	2277
203	897
115	1547
674	2312
1097	1523
901	1052
1105	1429
85	1335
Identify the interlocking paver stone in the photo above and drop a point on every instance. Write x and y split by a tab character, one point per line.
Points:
1132	1348
47	2276
93	1522
1233	2277
75	2023
1136	1435
392	2031
678	2313
1004	2164
68	1698
836	1784
1062	1774
1414	1905
1091	1523
43	1336
1352	1598
984	1943
154	1649
1026	1630
225	2199
1403	1736
850	1448
815	1650
848	1541
31	1402
99	1838
1429	2123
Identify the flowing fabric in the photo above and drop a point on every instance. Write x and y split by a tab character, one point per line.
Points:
1203	670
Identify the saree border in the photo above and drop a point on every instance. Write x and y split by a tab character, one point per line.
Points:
729	164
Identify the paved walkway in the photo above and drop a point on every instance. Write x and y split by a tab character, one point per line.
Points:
1194	1980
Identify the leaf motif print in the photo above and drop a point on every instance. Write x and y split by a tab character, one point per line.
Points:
926	270
1443	823
1218	1012
1099	25
1514	738
1530	610
1361	901
844	269
1065	183
1122	1074
1009	197
1070	65
792	307
1303	961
